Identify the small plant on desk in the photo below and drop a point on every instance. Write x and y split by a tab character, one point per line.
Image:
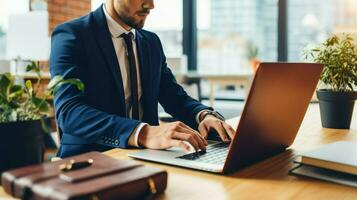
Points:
22	114
339	75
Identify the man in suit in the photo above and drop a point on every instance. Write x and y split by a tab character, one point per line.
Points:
125	74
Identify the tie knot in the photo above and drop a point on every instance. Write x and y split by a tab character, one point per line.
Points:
127	36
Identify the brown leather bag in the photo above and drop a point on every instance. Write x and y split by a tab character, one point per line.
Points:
91	176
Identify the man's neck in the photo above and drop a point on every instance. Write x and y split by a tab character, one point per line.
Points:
111	11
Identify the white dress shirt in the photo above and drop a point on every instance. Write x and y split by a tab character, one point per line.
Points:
116	30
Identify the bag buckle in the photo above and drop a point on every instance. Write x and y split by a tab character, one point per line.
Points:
73	165
152	186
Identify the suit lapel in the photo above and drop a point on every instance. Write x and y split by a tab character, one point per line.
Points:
103	38
145	71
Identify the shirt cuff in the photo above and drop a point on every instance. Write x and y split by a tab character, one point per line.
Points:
133	139
198	115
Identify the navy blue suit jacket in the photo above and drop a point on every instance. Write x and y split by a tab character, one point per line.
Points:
95	119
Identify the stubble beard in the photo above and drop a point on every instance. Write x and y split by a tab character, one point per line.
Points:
130	21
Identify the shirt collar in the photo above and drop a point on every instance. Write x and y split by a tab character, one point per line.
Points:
114	27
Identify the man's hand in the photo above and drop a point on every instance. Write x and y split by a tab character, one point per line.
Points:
225	131
174	134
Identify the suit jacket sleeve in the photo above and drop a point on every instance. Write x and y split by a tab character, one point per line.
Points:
74	116
173	97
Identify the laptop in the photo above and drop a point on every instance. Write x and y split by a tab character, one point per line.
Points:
275	107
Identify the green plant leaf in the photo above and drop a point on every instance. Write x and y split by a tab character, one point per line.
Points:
54	81
340	64
28	85
5	82
5	79
16	91
40	104
58	81
76	82
13	104
32	67
20	103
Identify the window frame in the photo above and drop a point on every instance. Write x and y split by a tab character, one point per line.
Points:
189	32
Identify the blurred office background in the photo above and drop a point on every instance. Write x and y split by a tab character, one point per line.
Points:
209	43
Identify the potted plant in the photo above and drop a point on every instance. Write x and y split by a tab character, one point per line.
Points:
339	76
252	54
22	114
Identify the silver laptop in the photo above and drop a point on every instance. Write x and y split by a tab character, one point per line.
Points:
273	112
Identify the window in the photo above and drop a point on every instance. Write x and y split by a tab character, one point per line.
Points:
7	8
166	21
228	30
312	21
96	3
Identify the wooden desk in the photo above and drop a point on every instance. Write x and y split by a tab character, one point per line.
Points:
268	179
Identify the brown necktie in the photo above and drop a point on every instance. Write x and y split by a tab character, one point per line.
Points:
134	100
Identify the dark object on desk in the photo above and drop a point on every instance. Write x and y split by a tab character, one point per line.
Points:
21	144
336	108
337	156
87	176
325	174
335	162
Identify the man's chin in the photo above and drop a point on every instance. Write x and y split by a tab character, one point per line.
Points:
139	25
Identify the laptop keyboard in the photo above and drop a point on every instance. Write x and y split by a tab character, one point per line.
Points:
215	154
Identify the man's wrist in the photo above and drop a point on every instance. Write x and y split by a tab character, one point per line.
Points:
134	138
143	135
215	114
199	114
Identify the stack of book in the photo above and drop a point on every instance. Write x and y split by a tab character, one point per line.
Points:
334	162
